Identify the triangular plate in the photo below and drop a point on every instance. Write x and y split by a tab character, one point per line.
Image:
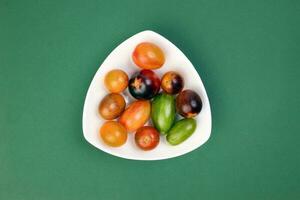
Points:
120	58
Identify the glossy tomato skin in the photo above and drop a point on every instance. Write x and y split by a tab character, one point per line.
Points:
147	138
172	82
181	131
136	115
144	84
113	134
188	103
163	112
147	55
111	106
116	80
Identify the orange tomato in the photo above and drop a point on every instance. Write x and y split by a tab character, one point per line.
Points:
147	55
136	115
116	80
113	134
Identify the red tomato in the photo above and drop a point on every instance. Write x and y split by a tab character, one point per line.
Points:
147	138
147	55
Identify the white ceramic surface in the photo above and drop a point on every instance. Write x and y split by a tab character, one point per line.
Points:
120	58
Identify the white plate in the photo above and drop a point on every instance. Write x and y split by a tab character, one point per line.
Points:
120	58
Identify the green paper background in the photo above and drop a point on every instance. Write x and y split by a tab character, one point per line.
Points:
246	52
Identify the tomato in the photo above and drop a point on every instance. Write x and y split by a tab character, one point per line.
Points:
136	115
163	112
188	103
144	84
147	138
113	134
181	131
172	82
111	106
147	55
116	80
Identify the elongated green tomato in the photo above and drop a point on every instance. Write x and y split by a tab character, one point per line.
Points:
163	112
181	131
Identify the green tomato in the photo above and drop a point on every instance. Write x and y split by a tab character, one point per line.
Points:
163	112
181	131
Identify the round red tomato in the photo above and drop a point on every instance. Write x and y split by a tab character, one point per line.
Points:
147	138
147	55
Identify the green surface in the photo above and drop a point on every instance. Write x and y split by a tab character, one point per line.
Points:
247	53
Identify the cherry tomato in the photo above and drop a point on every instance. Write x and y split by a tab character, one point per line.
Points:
116	80
111	106
188	103
147	138
172	82
147	55
136	115
144	85
113	134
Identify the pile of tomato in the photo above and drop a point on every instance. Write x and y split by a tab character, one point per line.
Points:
161	107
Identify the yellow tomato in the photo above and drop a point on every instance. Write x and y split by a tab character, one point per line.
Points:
116	81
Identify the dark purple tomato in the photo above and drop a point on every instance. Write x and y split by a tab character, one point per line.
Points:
188	103
144	84
172	82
